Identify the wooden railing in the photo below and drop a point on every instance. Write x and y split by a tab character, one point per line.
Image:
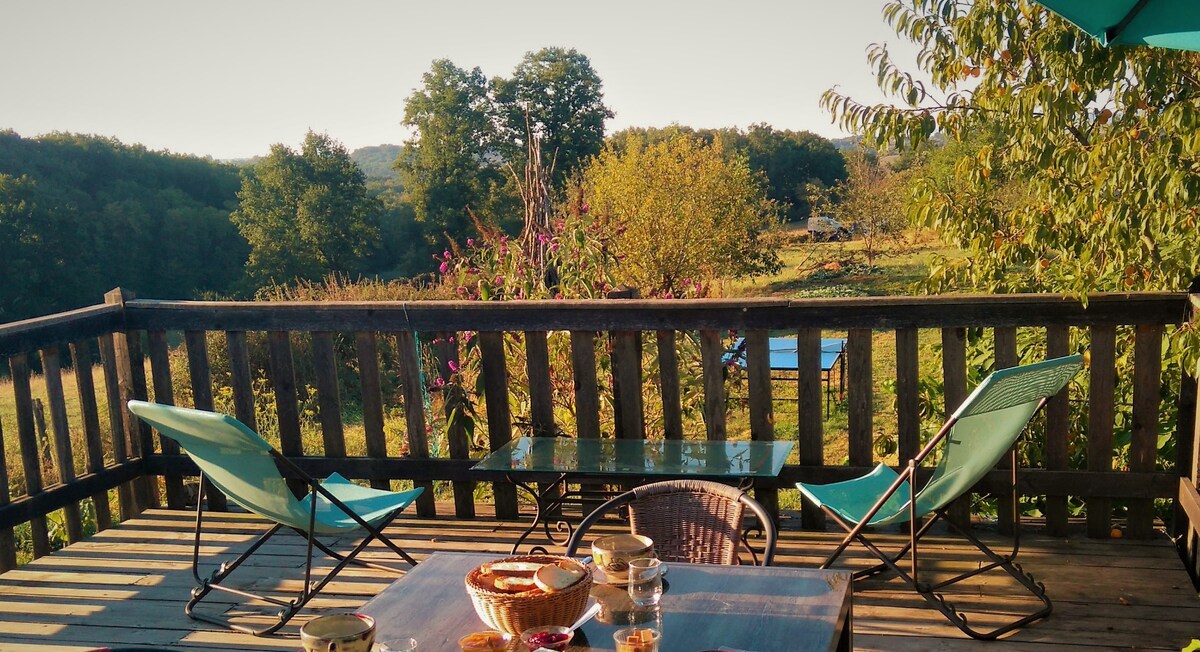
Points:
136	458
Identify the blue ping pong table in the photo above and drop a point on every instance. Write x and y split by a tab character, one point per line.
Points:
785	357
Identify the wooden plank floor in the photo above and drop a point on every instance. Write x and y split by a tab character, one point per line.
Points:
128	586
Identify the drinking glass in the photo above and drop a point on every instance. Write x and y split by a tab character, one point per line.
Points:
645	581
398	645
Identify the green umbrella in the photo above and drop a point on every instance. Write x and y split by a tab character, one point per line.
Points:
1161	23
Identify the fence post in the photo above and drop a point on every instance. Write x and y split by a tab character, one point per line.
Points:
127	348
1187	451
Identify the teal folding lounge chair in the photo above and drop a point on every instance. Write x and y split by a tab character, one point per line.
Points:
973	440
247	469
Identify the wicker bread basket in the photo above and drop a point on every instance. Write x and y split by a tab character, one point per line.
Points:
517	612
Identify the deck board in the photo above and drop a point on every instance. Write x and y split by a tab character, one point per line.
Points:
128	585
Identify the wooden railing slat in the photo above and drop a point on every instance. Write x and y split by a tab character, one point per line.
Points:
200	372
627	385
586	384
668	380
762	412
499	419
414	414
1058	432
541	398
372	400
1101	400
860	395
8	540
954	382
810	415
81	360
240	379
329	400
711	352
18	366
64	457
126	502
1006	356
908	409
457	439
1143	445
283	381
132	375
164	392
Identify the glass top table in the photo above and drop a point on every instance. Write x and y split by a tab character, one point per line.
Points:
637	457
569	458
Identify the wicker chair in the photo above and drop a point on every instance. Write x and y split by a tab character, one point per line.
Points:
692	521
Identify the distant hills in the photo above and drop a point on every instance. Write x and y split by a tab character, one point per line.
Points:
376	161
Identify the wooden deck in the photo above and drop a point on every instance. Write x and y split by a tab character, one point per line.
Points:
128	585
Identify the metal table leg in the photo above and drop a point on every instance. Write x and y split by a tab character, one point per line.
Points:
543	509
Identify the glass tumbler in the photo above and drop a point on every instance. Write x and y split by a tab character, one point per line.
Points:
645	581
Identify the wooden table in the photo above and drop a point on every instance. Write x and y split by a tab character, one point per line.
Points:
704	607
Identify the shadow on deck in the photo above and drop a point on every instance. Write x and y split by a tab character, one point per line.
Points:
128	585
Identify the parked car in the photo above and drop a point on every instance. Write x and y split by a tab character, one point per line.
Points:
822	228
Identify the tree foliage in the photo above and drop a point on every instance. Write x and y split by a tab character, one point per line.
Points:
555	94
80	215
450	167
306	214
792	161
1093	181
871	202
683	214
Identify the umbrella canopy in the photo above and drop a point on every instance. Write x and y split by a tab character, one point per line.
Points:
1161	23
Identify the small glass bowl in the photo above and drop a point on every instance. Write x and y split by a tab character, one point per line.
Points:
564	634
489	640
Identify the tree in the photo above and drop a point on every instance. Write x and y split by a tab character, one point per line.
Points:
306	214
1091	185
451	166
683	214
82	214
871	202
792	161
560	94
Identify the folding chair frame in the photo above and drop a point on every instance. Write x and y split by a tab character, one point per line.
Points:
918	530
288	608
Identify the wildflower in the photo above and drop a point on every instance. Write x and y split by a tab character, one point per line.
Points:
470	242
543	238
452	365
446	254
553	246
503	239
438	382
444	267
503	250
584	208
668	295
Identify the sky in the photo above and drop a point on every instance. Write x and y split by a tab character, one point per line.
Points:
229	78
